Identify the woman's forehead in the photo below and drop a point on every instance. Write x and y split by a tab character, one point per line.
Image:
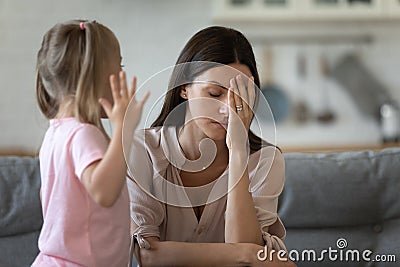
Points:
222	75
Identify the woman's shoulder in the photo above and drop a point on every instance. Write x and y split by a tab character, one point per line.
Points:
266	157
152	132
155	140
266	162
156	135
267	152
150	136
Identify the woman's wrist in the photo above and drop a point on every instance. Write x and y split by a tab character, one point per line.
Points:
239	154
248	253
242	254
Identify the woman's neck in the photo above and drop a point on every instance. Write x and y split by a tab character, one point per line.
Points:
189	138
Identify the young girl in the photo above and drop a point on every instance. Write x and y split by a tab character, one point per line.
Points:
84	194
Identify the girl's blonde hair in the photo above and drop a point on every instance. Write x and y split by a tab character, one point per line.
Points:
72	66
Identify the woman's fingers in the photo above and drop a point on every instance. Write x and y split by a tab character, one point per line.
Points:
242	88
237	101
251	92
244	98
231	101
239	112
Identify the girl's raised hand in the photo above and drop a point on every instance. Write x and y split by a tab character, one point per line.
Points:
122	98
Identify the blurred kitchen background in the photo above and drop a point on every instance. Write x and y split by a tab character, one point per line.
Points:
330	69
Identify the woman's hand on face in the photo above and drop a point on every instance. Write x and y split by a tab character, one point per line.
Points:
122	97
241	97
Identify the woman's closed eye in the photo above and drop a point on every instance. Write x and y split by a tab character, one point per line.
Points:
215	94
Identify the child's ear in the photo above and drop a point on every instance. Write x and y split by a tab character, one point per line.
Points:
183	92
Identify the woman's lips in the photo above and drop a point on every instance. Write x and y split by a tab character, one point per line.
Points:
221	124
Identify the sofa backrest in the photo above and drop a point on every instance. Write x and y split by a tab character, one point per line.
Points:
20	210
350	195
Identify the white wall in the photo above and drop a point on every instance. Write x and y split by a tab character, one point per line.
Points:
152	34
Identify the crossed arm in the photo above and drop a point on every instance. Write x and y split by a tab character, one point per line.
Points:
170	253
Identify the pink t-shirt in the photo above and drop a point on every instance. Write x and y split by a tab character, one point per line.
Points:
77	231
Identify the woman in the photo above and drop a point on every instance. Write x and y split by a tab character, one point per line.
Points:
204	189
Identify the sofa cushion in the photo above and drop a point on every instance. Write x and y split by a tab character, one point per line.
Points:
19	250
355	238
20	210
341	189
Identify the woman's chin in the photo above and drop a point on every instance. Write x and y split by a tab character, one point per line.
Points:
216	132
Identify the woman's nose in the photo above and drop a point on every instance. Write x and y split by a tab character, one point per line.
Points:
224	108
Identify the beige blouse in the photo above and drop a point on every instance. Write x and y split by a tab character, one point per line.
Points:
162	207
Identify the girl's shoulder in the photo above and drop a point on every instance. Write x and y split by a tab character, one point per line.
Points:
71	123
74	130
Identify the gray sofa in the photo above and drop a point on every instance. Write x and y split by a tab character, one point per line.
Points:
20	210
347	201
329	200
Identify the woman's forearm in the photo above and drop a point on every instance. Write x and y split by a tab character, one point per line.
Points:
169	253
241	223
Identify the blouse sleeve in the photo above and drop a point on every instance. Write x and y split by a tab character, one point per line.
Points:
266	184
146	211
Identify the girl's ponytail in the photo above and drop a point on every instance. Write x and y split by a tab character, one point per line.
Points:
88	78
